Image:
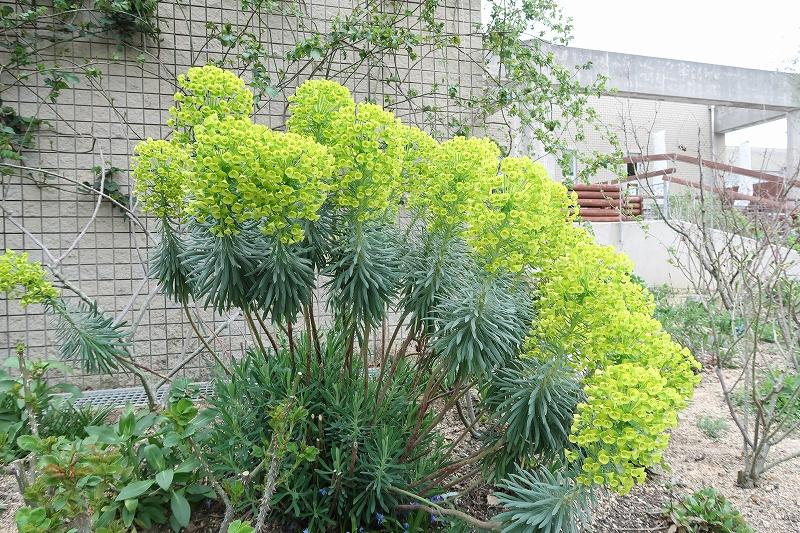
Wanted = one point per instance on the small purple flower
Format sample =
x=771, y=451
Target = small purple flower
x=379, y=518
x=436, y=499
x=406, y=526
x=324, y=492
x=305, y=530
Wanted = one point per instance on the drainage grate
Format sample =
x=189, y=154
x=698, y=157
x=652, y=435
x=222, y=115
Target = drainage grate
x=134, y=396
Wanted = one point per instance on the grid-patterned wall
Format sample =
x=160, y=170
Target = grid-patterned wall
x=687, y=127
x=99, y=121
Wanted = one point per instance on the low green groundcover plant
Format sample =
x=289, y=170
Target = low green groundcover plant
x=705, y=511
x=51, y=404
x=483, y=288
x=712, y=427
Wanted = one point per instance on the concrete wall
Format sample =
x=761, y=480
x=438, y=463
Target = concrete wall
x=656, y=249
x=647, y=245
x=101, y=120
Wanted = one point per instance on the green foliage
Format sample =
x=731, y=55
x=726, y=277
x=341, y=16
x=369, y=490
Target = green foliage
x=16, y=133
x=690, y=324
x=543, y=501
x=534, y=401
x=105, y=182
x=358, y=453
x=783, y=387
x=479, y=271
x=51, y=403
x=128, y=17
x=237, y=526
x=140, y=472
x=787, y=400
x=705, y=511
x=482, y=323
x=364, y=274
x=23, y=24
x=712, y=427
x=89, y=338
x=33, y=520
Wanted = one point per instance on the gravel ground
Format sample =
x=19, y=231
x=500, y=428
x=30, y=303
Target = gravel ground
x=10, y=501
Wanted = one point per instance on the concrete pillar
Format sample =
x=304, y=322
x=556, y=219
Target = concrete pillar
x=744, y=159
x=658, y=146
x=793, y=145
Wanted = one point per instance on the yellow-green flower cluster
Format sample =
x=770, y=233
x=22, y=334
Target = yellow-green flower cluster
x=247, y=172
x=523, y=216
x=161, y=171
x=24, y=279
x=418, y=152
x=206, y=91
x=638, y=378
x=367, y=143
x=462, y=173
x=622, y=426
x=314, y=106
x=591, y=308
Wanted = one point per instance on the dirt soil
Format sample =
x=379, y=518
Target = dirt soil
x=696, y=461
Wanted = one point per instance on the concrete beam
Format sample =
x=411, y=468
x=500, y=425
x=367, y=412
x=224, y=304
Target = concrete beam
x=728, y=119
x=654, y=78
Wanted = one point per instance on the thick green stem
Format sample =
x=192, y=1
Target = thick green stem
x=270, y=338
x=254, y=332
x=203, y=340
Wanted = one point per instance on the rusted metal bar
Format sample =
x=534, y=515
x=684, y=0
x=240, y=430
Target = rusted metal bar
x=730, y=194
x=709, y=164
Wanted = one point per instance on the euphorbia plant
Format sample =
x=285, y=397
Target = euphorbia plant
x=491, y=288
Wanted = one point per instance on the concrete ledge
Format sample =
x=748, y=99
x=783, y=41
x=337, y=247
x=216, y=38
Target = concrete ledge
x=655, y=78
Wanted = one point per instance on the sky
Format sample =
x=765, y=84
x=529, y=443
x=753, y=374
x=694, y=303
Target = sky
x=763, y=35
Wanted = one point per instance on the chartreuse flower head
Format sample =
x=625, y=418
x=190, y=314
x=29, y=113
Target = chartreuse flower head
x=522, y=214
x=24, y=279
x=368, y=143
x=461, y=173
x=419, y=149
x=161, y=171
x=313, y=107
x=622, y=426
x=247, y=172
x=368, y=146
x=206, y=91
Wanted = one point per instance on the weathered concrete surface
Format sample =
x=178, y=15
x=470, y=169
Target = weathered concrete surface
x=655, y=78
x=648, y=246
x=728, y=119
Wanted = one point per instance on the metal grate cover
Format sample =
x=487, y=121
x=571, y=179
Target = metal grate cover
x=134, y=396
